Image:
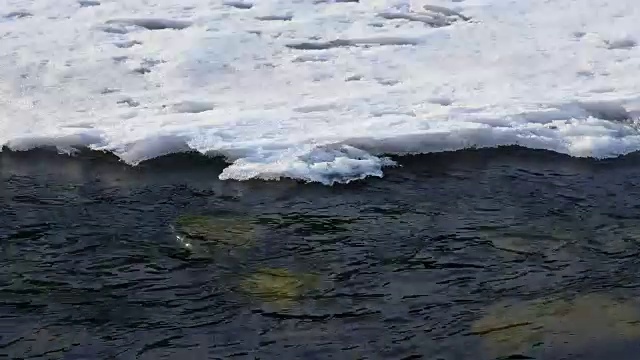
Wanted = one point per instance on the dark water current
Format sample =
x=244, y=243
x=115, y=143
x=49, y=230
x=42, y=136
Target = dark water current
x=488, y=254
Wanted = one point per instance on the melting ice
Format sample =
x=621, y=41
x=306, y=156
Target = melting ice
x=319, y=90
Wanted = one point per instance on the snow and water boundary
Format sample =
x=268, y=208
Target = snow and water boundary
x=319, y=91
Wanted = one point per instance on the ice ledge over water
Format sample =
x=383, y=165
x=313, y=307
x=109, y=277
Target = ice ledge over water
x=319, y=90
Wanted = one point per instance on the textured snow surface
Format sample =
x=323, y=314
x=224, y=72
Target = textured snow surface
x=319, y=89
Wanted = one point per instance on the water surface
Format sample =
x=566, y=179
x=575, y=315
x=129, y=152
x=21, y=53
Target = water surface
x=468, y=255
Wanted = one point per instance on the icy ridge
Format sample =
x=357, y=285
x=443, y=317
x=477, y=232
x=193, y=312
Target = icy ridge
x=319, y=90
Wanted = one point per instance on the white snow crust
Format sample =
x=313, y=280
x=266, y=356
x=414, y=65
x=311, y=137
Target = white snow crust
x=319, y=90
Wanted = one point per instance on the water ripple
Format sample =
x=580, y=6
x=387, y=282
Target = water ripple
x=430, y=262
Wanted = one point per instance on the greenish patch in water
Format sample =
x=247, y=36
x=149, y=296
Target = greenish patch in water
x=520, y=328
x=198, y=233
x=279, y=286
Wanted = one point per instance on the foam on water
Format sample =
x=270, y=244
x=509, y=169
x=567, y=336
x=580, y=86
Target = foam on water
x=319, y=89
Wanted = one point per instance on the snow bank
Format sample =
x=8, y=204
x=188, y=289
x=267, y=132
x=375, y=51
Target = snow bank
x=319, y=89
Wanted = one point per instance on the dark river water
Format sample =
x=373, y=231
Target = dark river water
x=489, y=254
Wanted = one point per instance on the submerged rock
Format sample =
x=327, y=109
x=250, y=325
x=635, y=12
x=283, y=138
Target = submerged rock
x=523, y=328
x=199, y=233
x=278, y=286
x=550, y=242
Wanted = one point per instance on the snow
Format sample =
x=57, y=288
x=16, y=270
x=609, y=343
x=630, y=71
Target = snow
x=319, y=90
